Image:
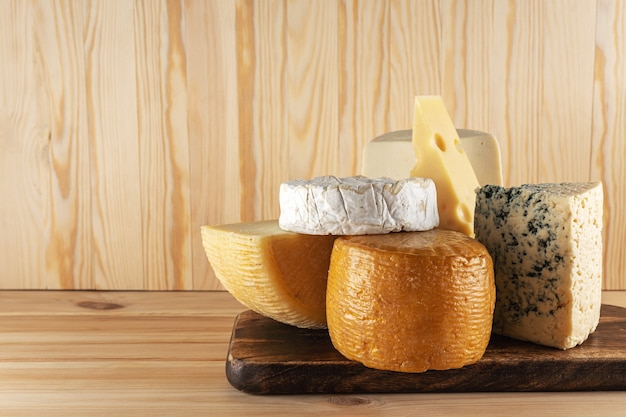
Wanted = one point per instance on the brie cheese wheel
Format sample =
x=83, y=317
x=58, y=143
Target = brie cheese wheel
x=546, y=243
x=357, y=205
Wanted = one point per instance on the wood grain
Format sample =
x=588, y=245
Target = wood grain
x=313, y=82
x=363, y=79
x=267, y=357
x=212, y=91
x=263, y=134
x=68, y=353
x=517, y=64
x=565, y=134
x=65, y=180
x=111, y=105
x=467, y=55
x=24, y=163
x=126, y=125
x=415, y=54
x=163, y=156
x=609, y=129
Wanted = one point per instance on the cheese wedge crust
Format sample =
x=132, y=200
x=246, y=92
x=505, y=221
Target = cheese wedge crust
x=279, y=274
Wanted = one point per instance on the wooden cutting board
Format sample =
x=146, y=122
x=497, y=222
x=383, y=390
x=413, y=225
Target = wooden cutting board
x=267, y=357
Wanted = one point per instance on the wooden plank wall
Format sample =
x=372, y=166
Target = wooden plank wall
x=125, y=125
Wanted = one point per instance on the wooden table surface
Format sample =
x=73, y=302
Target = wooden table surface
x=163, y=354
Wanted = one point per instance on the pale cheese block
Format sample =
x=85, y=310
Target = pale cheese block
x=279, y=274
x=410, y=301
x=392, y=155
x=546, y=243
x=357, y=205
x=439, y=157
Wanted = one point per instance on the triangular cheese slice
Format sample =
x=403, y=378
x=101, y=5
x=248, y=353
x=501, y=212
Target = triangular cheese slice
x=439, y=157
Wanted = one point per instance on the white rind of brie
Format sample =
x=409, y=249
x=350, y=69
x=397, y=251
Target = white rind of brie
x=357, y=205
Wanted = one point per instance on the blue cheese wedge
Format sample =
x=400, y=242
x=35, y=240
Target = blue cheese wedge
x=357, y=205
x=546, y=244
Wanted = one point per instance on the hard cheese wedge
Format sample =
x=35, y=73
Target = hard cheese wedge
x=546, y=242
x=279, y=274
x=392, y=155
x=410, y=301
x=439, y=157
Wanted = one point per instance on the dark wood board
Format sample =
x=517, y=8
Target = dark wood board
x=267, y=357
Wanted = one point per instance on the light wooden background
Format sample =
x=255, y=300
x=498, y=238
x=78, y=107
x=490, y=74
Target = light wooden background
x=125, y=125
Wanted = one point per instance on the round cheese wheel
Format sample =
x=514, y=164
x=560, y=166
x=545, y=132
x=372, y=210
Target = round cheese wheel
x=410, y=301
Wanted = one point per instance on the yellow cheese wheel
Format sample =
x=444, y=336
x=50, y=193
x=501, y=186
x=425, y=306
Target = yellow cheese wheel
x=410, y=301
x=279, y=274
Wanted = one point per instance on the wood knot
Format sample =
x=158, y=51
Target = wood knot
x=99, y=305
x=348, y=401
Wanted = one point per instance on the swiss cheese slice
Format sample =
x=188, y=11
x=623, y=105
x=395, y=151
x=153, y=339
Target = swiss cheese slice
x=392, y=155
x=357, y=205
x=439, y=156
x=410, y=301
x=546, y=242
x=279, y=274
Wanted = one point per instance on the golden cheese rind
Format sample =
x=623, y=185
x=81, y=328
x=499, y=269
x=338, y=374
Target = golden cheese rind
x=279, y=274
x=410, y=302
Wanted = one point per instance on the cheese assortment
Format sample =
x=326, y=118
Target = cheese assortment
x=410, y=302
x=392, y=155
x=406, y=287
x=546, y=242
x=357, y=205
x=279, y=274
x=439, y=157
